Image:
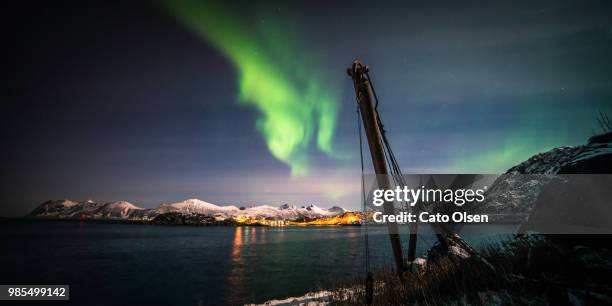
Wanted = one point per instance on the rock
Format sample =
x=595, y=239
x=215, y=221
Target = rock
x=417, y=265
x=601, y=138
x=513, y=195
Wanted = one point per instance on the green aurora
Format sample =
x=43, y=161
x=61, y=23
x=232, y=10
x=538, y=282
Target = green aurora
x=274, y=76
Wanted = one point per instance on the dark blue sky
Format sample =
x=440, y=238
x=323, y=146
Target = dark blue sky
x=123, y=102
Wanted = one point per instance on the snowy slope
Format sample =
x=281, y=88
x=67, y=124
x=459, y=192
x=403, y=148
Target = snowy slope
x=313, y=211
x=119, y=210
x=191, y=206
x=67, y=209
x=516, y=191
x=53, y=208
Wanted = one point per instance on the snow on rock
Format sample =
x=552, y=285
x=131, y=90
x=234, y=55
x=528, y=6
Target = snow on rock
x=267, y=211
x=53, y=208
x=119, y=209
x=559, y=160
x=549, y=162
x=338, y=210
x=315, y=211
x=319, y=298
x=514, y=193
x=459, y=251
x=287, y=206
x=67, y=209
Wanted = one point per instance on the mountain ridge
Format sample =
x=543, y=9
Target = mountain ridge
x=123, y=210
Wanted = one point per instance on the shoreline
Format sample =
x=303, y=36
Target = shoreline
x=143, y=222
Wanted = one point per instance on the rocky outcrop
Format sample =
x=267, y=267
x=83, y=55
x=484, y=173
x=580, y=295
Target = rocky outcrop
x=175, y=218
x=68, y=209
x=514, y=194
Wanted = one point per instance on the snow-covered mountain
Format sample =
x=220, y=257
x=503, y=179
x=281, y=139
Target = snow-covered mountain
x=191, y=206
x=54, y=208
x=121, y=210
x=68, y=209
x=515, y=192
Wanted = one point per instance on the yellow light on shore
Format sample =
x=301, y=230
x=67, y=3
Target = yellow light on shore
x=348, y=218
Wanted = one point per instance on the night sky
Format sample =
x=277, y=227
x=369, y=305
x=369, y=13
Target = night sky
x=249, y=103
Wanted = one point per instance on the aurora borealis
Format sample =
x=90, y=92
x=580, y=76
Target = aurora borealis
x=245, y=102
x=276, y=77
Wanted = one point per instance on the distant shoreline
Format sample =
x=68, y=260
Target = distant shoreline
x=143, y=222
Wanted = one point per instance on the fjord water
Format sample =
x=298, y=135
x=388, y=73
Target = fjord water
x=123, y=264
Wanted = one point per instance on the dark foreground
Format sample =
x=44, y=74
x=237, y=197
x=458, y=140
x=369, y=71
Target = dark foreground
x=526, y=270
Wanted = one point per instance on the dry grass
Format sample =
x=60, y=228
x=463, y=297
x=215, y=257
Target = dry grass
x=528, y=270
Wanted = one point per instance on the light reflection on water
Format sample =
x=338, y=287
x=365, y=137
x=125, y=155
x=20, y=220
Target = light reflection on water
x=271, y=261
x=185, y=265
x=236, y=267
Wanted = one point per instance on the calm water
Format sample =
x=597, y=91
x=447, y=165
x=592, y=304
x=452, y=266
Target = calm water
x=119, y=264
